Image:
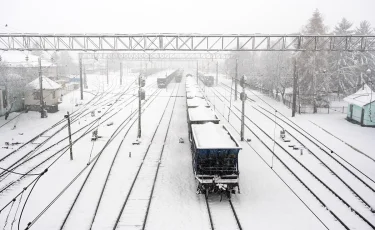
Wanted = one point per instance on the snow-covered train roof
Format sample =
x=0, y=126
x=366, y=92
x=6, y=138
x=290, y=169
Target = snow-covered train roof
x=213, y=136
x=194, y=94
x=165, y=73
x=202, y=114
x=196, y=102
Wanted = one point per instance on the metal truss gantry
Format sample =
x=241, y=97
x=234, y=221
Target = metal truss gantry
x=186, y=42
x=157, y=56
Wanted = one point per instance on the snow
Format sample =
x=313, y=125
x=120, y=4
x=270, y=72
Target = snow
x=202, y=114
x=270, y=198
x=47, y=84
x=196, y=102
x=15, y=57
x=210, y=135
x=362, y=97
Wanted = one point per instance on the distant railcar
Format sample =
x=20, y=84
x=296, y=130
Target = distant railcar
x=206, y=79
x=179, y=75
x=164, y=81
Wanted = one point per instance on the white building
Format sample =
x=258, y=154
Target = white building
x=51, y=95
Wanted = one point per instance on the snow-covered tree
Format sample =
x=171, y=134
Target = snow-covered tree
x=312, y=65
x=365, y=60
x=342, y=64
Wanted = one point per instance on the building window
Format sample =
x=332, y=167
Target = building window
x=36, y=95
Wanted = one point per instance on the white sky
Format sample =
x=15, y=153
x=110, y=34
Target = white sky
x=172, y=16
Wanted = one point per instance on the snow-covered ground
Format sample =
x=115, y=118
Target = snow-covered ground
x=270, y=198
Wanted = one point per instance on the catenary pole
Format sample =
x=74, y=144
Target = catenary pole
x=235, y=81
x=294, y=87
x=42, y=115
x=80, y=77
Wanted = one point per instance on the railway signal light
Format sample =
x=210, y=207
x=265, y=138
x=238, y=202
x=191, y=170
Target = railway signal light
x=142, y=94
x=243, y=96
x=243, y=81
x=27, y=58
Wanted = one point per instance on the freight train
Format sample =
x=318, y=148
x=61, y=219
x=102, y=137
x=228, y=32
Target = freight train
x=165, y=80
x=213, y=147
x=179, y=75
x=206, y=79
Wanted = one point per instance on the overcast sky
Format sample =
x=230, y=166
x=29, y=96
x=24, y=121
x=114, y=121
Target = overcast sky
x=172, y=16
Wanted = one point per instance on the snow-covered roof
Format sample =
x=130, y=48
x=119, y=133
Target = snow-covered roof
x=196, y=102
x=47, y=84
x=17, y=58
x=202, y=114
x=213, y=136
x=362, y=97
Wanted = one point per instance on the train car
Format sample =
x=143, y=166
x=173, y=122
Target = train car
x=197, y=102
x=165, y=80
x=215, y=159
x=179, y=75
x=207, y=80
x=201, y=115
x=162, y=82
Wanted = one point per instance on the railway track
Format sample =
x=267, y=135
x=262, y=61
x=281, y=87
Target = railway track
x=74, y=117
x=127, y=122
x=347, y=169
x=308, y=177
x=86, y=129
x=11, y=164
x=338, y=158
x=135, y=208
x=221, y=213
x=71, y=219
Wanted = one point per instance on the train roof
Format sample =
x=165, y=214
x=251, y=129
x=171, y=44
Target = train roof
x=194, y=94
x=196, y=102
x=165, y=74
x=213, y=136
x=202, y=114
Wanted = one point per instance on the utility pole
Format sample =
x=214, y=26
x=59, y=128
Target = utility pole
x=235, y=81
x=80, y=77
x=42, y=115
x=243, y=99
x=84, y=78
x=217, y=72
x=294, y=88
x=139, y=107
x=67, y=116
x=120, y=73
x=107, y=71
x=197, y=73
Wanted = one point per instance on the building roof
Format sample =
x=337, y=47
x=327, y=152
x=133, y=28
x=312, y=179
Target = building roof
x=47, y=84
x=362, y=97
x=18, y=58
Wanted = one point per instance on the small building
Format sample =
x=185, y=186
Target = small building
x=51, y=95
x=361, y=107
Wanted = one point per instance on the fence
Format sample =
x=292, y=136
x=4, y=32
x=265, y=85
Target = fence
x=302, y=107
